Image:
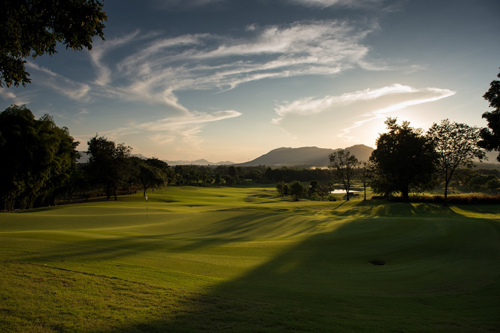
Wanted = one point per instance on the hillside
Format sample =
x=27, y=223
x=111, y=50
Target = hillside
x=198, y=162
x=305, y=156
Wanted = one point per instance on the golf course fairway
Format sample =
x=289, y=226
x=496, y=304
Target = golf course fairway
x=242, y=259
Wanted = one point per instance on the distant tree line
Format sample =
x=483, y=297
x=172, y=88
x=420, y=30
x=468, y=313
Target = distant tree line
x=39, y=166
x=39, y=163
x=408, y=160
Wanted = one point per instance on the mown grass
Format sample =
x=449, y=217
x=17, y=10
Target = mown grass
x=242, y=259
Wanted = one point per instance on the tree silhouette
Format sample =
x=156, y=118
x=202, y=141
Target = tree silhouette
x=456, y=145
x=38, y=158
x=491, y=135
x=108, y=164
x=31, y=28
x=405, y=159
x=345, y=167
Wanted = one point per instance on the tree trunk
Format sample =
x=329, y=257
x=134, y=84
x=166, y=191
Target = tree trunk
x=446, y=182
x=405, y=194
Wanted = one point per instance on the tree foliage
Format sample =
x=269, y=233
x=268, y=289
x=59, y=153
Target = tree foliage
x=491, y=135
x=345, y=167
x=31, y=28
x=151, y=173
x=297, y=189
x=456, y=145
x=38, y=158
x=108, y=164
x=404, y=160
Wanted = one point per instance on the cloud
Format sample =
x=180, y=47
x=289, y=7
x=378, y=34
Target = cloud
x=195, y=118
x=69, y=88
x=422, y=96
x=387, y=99
x=330, y=3
x=183, y=4
x=185, y=128
x=310, y=105
x=7, y=94
x=100, y=50
x=155, y=71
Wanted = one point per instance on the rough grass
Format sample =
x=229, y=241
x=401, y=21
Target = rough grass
x=242, y=259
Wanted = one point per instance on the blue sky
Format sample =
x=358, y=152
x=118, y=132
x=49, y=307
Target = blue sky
x=232, y=79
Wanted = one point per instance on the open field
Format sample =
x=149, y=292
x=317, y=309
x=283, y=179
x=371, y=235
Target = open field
x=244, y=260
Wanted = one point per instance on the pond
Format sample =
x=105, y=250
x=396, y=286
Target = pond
x=341, y=191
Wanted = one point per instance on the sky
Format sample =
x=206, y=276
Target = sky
x=230, y=80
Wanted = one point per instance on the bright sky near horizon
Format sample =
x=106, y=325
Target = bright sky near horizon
x=229, y=80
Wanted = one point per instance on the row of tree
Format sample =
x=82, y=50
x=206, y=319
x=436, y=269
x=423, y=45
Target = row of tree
x=39, y=163
x=407, y=159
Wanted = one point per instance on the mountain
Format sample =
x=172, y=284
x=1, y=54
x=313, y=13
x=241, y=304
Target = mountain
x=305, y=156
x=198, y=162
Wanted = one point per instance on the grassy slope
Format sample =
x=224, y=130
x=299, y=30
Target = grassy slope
x=240, y=259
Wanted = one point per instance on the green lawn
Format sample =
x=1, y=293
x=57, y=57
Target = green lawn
x=243, y=260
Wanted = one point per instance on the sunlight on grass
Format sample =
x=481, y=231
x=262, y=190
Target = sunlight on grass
x=264, y=260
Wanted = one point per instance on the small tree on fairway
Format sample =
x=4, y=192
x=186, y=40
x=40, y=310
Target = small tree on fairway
x=456, y=145
x=151, y=173
x=345, y=167
x=296, y=190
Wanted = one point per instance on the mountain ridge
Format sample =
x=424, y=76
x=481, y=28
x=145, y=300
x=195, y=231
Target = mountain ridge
x=305, y=156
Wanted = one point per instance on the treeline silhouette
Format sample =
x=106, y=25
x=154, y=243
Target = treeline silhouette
x=39, y=163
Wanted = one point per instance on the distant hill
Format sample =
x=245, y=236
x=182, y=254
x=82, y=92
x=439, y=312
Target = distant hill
x=305, y=156
x=198, y=162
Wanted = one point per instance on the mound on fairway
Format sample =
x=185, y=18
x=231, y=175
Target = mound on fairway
x=242, y=259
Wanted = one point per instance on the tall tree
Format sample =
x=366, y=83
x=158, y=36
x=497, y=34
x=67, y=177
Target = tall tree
x=31, y=28
x=151, y=173
x=108, y=164
x=38, y=158
x=405, y=159
x=456, y=145
x=345, y=167
x=491, y=136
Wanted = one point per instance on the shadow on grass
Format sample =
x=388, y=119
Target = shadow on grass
x=385, y=209
x=325, y=282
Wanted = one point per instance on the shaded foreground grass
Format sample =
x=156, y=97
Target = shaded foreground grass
x=241, y=259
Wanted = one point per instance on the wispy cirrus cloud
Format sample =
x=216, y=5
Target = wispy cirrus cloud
x=386, y=100
x=153, y=68
x=184, y=128
x=207, y=61
x=310, y=105
x=8, y=95
x=329, y=3
x=64, y=86
x=195, y=118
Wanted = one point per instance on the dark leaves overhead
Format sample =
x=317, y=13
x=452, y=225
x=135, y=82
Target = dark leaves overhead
x=31, y=28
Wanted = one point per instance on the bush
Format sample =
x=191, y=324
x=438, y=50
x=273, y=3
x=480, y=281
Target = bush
x=469, y=199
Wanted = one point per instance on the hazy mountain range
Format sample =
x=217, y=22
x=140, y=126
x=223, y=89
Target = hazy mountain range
x=305, y=156
x=302, y=157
